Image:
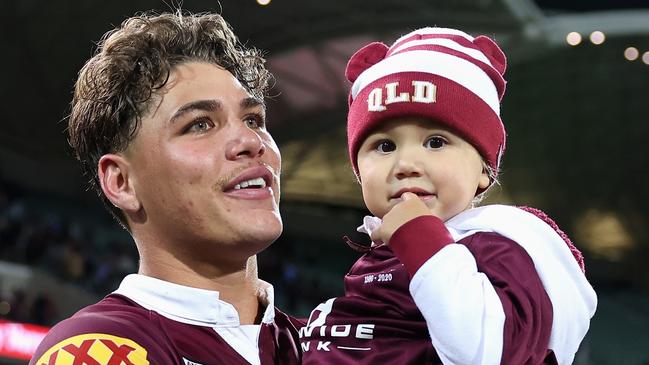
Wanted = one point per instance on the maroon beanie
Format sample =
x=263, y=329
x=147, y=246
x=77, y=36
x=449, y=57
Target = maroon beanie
x=440, y=74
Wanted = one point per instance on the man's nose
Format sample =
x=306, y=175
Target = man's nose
x=244, y=143
x=407, y=164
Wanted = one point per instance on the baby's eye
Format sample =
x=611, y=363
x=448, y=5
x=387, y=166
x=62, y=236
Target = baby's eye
x=385, y=146
x=435, y=142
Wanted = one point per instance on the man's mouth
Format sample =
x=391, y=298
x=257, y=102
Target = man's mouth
x=257, y=178
x=256, y=183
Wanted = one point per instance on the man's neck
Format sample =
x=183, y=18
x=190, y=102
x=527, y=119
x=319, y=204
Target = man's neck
x=237, y=283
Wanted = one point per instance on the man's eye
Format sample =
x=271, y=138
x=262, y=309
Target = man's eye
x=435, y=142
x=385, y=146
x=200, y=126
x=254, y=122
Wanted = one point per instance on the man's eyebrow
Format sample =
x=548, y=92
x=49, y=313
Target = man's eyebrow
x=250, y=103
x=205, y=105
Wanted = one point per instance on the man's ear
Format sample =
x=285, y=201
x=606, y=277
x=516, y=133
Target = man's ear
x=116, y=182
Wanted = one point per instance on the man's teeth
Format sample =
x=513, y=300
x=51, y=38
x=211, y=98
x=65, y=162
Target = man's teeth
x=255, y=183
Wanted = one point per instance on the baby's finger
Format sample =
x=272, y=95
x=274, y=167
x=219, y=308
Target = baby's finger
x=408, y=196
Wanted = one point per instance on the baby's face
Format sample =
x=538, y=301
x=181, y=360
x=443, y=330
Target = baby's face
x=419, y=156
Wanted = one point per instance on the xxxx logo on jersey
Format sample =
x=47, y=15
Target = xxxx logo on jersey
x=95, y=349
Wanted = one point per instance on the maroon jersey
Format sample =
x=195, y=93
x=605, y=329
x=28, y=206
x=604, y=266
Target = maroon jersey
x=479, y=300
x=376, y=322
x=142, y=324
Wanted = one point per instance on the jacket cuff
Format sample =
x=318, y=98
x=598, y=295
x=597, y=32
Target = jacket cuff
x=418, y=240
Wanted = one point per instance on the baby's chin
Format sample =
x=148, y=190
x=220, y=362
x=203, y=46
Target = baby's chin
x=450, y=215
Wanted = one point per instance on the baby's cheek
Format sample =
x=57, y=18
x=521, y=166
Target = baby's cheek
x=432, y=205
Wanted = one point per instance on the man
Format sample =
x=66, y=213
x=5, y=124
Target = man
x=168, y=120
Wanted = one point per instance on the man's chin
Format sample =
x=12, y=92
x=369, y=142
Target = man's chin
x=270, y=235
x=262, y=235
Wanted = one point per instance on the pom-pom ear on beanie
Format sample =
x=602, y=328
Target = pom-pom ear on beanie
x=364, y=58
x=440, y=74
x=495, y=55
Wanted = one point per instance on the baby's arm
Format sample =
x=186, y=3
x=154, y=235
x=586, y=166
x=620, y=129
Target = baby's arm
x=483, y=301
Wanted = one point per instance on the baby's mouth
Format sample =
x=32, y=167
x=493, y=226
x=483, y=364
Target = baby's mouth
x=421, y=193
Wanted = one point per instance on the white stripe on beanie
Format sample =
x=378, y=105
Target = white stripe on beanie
x=444, y=42
x=435, y=30
x=456, y=69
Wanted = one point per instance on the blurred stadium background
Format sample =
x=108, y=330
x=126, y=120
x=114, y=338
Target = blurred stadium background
x=576, y=111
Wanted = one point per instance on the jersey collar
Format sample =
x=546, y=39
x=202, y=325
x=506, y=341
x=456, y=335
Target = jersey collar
x=190, y=305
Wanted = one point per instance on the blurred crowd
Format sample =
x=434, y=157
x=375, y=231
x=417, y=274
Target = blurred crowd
x=59, y=246
x=16, y=306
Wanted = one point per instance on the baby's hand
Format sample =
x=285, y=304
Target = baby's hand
x=410, y=208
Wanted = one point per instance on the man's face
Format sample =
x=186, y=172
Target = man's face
x=418, y=156
x=205, y=168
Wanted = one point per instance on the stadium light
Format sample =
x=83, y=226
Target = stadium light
x=645, y=58
x=631, y=53
x=597, y=37
x=573, y=38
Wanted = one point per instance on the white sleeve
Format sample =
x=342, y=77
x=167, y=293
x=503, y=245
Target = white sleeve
x=459, y=302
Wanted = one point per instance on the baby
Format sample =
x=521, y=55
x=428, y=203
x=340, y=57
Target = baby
x=444, y=281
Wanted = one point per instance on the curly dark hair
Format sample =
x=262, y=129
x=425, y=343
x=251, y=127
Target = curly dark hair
x=115, y=87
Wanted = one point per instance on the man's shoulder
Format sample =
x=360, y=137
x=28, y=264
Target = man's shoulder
x=114, y=313
x=115, y=326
